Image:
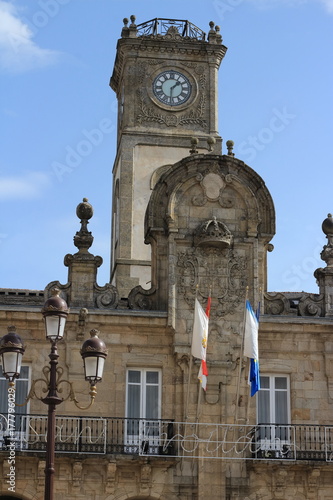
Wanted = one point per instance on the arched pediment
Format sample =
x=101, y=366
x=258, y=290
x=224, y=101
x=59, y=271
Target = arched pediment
x=201, y=186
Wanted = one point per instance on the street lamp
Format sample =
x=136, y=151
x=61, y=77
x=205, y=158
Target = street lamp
x=11, y=352
x=93, y=352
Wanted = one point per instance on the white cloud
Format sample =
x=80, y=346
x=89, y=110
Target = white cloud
x=18, y=51
x=328, y=4
x=26, y=187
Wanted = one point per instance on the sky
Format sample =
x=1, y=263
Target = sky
x=275, y=103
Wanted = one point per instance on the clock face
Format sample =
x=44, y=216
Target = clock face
x=172, y=88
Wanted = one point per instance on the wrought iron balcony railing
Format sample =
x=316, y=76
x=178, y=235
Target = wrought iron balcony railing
x=98, y=435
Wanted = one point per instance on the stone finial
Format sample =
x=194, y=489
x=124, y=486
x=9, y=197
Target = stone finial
x=125, y=30
x=327, y=225
x=211, y=141
x=83, y=238
x=218, y=34
x=211, y=33
x=327, y=252
x=132, y=30
x=214, y=35
x=194, y=143
x=133, y=18
x=84, y=210
x=230, y=147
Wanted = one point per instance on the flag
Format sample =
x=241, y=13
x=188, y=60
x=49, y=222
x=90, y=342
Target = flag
x=200, y=337
x=251, y=346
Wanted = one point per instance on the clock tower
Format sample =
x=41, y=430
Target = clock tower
x=165, y=79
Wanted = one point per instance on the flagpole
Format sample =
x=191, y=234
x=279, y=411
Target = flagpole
x=188, y=386
x=241, y=359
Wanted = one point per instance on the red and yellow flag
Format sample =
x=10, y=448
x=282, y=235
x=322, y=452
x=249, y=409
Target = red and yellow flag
x=200, y=338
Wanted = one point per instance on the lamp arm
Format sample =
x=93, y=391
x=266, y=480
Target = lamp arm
x=92, y=394
x=32, y=393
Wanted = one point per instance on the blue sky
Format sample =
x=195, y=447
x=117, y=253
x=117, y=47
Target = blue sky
x=275, y=103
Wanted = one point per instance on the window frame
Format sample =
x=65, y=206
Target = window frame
x=273, y=436
x=143, y=392
x=142, y=433
x=272, y=405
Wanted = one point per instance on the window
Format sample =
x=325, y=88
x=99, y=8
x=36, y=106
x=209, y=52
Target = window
x=143, y=407
x=21, y=392
x=273, y=411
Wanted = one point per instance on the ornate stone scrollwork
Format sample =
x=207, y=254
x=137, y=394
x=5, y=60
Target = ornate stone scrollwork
x=139, y=298
x=106, y=297
x=276, y=303
x=297, y=304
x=64, y=290
x=311, y=305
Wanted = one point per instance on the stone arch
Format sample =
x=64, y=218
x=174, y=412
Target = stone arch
x=157, y=174
x=178, y=179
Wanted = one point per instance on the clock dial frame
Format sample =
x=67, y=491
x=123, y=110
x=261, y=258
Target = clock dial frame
x=172, y=88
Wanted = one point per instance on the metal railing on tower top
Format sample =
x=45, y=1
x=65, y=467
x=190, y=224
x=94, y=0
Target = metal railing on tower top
x=160, y=26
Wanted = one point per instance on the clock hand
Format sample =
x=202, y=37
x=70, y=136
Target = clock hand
x=175, y=85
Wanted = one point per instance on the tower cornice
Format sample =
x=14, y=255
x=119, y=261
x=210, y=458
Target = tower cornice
x=163, y=45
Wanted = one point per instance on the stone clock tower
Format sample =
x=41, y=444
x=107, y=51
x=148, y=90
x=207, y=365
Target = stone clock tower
x=165, y=78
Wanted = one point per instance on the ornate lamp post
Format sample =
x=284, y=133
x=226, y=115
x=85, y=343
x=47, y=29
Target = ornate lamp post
x=93, y=352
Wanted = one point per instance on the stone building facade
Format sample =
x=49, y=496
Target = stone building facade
x=188, y=222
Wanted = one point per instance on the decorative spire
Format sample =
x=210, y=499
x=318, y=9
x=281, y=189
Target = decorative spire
x=83, y=238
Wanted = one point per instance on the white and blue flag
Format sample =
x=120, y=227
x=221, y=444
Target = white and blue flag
x=251, y=346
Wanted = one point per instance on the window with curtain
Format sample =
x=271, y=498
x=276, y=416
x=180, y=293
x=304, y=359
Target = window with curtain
x=273, y=408
x=143, y=402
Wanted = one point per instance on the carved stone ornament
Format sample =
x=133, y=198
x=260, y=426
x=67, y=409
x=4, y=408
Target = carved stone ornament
x=149, y=114
x=139, y=298
x=106, y=297
x=294, y=304
x=213, y=185
x=217, y=269
x=212, y=233
x=173, y=33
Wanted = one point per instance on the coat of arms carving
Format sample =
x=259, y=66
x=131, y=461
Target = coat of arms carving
x=219, y=271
